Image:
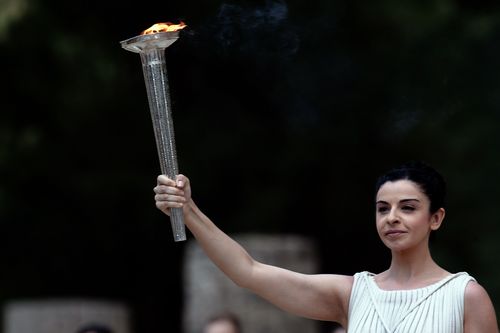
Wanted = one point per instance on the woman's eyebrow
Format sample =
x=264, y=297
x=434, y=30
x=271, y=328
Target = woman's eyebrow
x=410, y=199
x=402, y=201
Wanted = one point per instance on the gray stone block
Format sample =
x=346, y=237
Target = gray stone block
x=208, y=292
x=63, y=315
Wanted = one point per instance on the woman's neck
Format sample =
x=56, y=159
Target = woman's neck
x=411, y=269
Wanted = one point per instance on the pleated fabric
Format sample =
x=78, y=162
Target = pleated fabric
x=437, y=308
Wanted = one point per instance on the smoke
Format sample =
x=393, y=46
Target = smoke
x=271, y=15
x=263, y=30
x=251, y=30
x=405, y=120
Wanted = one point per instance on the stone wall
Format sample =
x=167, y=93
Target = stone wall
x=208, y=292
x=63, y=316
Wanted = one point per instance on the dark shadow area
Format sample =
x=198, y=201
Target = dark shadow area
x=285, y=113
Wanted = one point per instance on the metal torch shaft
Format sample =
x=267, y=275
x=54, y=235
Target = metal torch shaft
x=156, y=79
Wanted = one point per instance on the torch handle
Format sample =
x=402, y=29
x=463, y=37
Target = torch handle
x=177, y=222
x=155, y=77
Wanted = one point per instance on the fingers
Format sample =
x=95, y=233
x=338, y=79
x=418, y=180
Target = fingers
x=164, y=180
x=170, y=198
x=171, y=194
x=180, y=181
x=168, y=189
x=166, y=205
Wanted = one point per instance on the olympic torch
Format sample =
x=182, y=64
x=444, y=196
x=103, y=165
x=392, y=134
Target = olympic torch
x=151, y=45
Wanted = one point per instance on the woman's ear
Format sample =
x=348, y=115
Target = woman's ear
x=437, y=218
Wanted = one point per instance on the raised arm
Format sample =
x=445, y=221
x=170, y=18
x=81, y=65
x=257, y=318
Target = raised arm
x=323, y=297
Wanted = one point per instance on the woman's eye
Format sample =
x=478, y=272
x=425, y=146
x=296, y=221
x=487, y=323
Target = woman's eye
x=408, y=208
x=382, y=210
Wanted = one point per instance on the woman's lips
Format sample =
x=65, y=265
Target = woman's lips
x=394, y=233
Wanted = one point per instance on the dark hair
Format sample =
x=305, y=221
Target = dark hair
x=426, y=177
x=226, y=316
x=94, y=328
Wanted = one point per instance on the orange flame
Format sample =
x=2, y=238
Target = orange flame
x=163, y=27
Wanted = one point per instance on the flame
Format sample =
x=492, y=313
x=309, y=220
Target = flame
x=163, y=27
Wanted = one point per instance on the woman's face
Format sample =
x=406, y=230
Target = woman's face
x=403, y=217
x=220, y=326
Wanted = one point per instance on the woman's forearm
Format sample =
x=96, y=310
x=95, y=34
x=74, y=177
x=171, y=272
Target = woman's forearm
x=226, y=253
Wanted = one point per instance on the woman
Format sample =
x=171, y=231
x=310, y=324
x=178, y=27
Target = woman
x=223, y=323
x=413, y=295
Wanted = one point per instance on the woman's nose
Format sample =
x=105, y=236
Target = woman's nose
x=392, y=217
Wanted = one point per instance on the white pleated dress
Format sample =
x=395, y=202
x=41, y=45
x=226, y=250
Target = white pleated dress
x=437, y=308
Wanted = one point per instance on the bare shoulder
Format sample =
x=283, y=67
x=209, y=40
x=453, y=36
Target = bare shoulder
x=336, y=289
x=337, y=283
x=479, y=313
x=316, y=296
x=474, y=292
x=339, y=279
x=476, y=295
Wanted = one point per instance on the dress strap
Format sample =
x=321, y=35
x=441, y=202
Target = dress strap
x=371, y=292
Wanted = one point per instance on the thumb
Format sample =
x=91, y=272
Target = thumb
x=181, y=181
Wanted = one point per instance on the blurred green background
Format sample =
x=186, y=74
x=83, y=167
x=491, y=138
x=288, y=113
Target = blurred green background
x=285, y=113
